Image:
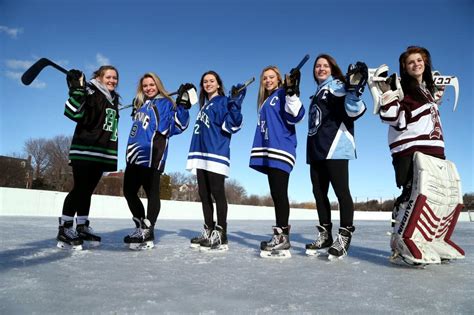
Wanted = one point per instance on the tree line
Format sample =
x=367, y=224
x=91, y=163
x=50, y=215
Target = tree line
x=47, y=168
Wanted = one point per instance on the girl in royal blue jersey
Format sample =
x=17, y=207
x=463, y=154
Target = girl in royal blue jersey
x=209, y=155
x=156, y=118
x=274, y=148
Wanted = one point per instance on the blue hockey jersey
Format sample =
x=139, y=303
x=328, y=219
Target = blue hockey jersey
x=153, y=124
x=217, y=120
x=331, y=122
x=274, y=144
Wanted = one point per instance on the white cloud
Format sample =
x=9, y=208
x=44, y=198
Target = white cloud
x=16, y=76
x=102, y=60
x=12, y=32
x=18, y=64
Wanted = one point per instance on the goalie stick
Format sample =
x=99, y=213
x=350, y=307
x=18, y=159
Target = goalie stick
x=443, y=80
x=32, y=72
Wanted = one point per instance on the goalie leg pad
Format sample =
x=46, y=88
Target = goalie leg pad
x=425, y=223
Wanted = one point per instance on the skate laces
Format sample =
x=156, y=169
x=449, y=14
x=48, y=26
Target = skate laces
x=71, y=233
x=275, y=240
x=341, y=243
x=215, y=237
x=135, y=233
x=206, y=234
x=321, y=239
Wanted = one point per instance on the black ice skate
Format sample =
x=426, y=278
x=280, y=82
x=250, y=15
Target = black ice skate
x=205, y=235
x=217, y=242
x=135, y=233
x=86, y=233
x=339, y=248
x=279, y=246
x=67, y=237
x=143, y=238
x=324, y=240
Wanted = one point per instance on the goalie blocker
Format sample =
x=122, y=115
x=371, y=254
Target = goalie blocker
x=425, y=223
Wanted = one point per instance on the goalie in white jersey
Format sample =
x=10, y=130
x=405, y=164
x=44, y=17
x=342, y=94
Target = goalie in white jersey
x=426, y=212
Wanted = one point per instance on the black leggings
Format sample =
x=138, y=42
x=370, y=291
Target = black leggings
x=336, y=173
x=212, y=185
x=78, y=201
x=278, y=182
x=135, y=177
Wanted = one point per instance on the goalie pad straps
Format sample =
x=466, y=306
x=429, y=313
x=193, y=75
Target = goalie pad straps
x=425, y=223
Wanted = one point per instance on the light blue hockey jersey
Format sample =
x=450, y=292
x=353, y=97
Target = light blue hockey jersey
x=274, y=144
x=153, y=124
x=331, y=122
x=217, y=120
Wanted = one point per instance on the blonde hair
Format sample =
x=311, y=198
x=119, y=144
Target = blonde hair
x=140, y=97
x=262, y=92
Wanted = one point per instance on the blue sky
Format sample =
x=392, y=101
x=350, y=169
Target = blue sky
x=179, y=40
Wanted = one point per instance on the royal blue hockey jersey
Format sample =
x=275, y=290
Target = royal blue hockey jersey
x=217, y=120
x=274, y=144
x=331, y=122
x=153, y=124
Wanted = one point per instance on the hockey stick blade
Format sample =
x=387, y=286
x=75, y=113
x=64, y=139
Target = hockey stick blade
x=32, y=72
x=443, y=80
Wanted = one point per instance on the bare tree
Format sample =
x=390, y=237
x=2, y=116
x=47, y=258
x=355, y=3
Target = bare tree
x=235, y=192
x=40, y=160
x=59, y=174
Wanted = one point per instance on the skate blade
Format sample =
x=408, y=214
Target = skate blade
x=141, y=246
x=400, y=261
x=195, y=246
x=216, y=249
x=275, y=254
x=63, y=245
x=336, y=258
x=315, y=252
x=92, y=244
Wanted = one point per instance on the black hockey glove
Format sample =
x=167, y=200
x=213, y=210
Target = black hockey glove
x=356, y=77
x=237, y=94
x=75, y=79
x=292, y=83
x=183, y=96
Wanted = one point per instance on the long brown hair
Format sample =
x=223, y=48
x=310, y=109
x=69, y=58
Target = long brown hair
x=262, y=92
x=203, y=94
x=336, y=72
x=409, y=84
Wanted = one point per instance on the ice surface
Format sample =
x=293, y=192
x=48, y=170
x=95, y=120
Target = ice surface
x=36, y=277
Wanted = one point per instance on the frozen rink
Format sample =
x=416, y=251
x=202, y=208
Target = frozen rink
x=36, y=277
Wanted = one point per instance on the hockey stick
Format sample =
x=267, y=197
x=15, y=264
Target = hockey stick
x=37, y=67
x=235, y=91
x=130, y=105
x=301, y=64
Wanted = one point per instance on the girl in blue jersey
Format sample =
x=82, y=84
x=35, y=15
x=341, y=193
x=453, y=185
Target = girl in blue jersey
x=209, y=156
x=274, y=148
x=330, y=146
x=156, y=118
